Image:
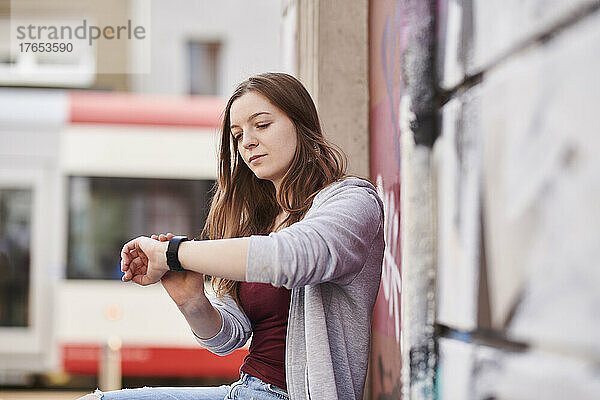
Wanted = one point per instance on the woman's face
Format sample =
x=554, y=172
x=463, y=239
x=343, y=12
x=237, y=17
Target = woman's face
x=261, y=129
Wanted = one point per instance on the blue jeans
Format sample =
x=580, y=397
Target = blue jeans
x=248, y=387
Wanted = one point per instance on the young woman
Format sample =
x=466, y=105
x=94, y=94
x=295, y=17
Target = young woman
x=294, y=247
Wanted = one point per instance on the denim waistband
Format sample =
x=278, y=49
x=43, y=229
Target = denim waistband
x=251, y=380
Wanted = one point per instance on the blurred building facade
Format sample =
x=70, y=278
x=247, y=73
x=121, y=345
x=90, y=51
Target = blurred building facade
x=195, y=47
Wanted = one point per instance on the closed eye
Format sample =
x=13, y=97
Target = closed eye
x=259, y=126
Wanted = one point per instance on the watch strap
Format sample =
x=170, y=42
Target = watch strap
x=173, y=252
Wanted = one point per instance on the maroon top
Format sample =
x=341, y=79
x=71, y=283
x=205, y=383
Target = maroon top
x=267, y=308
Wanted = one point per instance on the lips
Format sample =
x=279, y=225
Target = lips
x=255, y=157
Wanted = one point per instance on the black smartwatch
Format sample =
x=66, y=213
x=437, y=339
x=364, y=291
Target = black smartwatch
x=172, y=250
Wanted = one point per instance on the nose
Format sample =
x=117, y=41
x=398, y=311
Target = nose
x=248, y=140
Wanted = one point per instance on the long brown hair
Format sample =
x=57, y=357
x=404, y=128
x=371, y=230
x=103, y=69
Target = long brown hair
x=244, y=205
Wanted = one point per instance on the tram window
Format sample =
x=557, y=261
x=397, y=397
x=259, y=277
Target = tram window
x=15, y=239
x=106, y=212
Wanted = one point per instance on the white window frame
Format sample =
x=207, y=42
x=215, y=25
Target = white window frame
x=30, y=340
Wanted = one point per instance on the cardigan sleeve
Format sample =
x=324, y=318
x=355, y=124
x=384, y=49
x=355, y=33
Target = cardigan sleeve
x=235, y=330
x=331, y=243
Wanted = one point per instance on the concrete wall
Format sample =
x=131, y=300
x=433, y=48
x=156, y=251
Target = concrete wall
x=332, y=63
x=518, y=199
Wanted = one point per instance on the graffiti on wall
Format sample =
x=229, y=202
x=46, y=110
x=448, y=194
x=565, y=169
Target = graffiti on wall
x=385, y=82
x=391, y=282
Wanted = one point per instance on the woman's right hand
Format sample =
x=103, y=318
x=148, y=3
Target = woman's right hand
x=182, y=286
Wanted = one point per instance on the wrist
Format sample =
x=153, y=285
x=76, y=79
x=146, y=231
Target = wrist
x=161, y=255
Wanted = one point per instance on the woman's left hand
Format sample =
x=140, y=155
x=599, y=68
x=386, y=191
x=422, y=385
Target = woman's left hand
x=144, y=260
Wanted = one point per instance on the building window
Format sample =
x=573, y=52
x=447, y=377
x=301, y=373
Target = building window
x=105, y=213
x=204, y=67
x=15, y=261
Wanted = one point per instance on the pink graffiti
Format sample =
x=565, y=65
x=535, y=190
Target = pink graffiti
x=391, y=280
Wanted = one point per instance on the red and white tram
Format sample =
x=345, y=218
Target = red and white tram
x=81, y=173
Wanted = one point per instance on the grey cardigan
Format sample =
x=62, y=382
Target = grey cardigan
x=331, y=260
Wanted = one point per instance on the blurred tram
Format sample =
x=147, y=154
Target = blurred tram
x=81, y=173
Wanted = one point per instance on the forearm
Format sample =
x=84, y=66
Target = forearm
x=204, y=319
x=223, y=258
